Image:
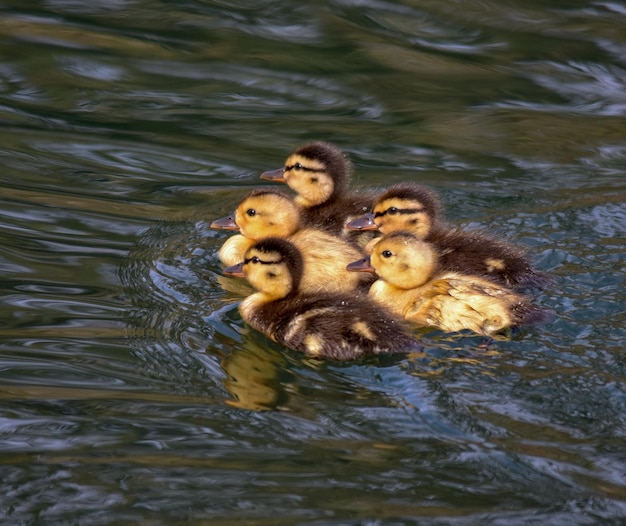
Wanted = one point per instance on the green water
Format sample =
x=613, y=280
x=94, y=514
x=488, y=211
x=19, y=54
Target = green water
x=130, y=390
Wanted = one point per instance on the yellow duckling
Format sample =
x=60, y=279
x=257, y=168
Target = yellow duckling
x=267, y=212
x=412, y=285
x=320, y=175
x=324, y=325
x=416, y=209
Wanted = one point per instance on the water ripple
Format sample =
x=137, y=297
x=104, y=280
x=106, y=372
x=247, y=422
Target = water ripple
x=588, y=87
x=132, y=392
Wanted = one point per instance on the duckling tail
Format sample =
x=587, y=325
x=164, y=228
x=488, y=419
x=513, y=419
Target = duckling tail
x=527, y=314
x=536, y=280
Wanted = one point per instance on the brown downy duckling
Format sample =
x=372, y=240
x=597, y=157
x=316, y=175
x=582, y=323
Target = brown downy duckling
x=324, y=325
x=320, y=175
x=412, y=284
x=416, y=209
x=268, y=212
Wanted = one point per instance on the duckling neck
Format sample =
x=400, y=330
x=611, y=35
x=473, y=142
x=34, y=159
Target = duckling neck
x=421, y=229
x=325, y=193
x=303, y=202
x=253, y=304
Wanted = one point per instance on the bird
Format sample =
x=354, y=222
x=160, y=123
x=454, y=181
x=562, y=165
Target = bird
x=336, y=326
x=416, y=208
x=267, y=212
x=319, y=173
x=412, y=284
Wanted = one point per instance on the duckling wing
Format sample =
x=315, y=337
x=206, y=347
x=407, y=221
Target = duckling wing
x=453, y=304
x=462, y=289
x=497, y=260
x=457, y=302
x=342, y=328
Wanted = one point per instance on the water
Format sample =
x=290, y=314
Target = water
x=131, y=392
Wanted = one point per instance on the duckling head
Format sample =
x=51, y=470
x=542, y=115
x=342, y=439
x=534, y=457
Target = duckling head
x=272, y=266
x=403, y=260
x=265, y=213
x=407, y=206
x=316, y=172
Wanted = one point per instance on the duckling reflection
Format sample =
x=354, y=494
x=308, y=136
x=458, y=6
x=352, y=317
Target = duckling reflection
x=264, y=213
x=253, y=378
x=415, y=208
x=412, y=284
x=324, y=325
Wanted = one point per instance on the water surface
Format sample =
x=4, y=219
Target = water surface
x=131, y=391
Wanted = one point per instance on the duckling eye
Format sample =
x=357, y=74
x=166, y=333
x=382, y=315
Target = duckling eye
x=297, y=166
x=392, y=210
x=386, y=253
x=251, y=212
x=255, y=259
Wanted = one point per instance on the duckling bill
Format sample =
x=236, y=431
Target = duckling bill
x=324, y=325
x=225, y=223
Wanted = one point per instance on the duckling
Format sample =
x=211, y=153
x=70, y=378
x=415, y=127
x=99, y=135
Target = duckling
x=412, y=284
x=320, y=175
x=323, y=325
x=267, y=212
x=416, y=208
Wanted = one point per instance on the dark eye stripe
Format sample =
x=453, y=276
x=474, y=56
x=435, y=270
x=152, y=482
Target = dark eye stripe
x=301, y=167
x=399, y=211
x=257, y=259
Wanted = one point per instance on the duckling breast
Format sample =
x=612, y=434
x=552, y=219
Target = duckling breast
x=234, y=249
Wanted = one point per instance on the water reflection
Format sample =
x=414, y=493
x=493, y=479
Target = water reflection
x=253, y=378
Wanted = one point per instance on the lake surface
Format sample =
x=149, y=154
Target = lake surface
x=131, y=391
